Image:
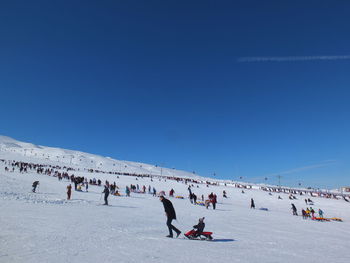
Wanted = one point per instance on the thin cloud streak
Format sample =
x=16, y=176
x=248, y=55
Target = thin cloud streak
x=297, y=58
x=306, y=168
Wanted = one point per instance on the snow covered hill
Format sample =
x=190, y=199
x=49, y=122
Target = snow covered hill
x=27, y=151
x=46, y=227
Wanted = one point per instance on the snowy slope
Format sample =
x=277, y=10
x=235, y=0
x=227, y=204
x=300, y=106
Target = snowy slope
x=17, y=150
x=45, y=227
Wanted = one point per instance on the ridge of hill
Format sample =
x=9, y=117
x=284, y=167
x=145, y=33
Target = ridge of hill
x=24, y=151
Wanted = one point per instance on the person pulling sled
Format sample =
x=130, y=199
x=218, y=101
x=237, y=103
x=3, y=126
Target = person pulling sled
x=170, y=214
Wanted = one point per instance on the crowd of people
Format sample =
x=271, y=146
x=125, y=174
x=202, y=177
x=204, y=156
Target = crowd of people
x=82, y=183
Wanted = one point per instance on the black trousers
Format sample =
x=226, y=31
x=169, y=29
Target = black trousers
x=106, y=199
x=171, y=227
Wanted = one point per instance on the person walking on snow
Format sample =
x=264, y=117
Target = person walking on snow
x=252, y=204
x=171, y=215
x=106, y=192
x=69, y=191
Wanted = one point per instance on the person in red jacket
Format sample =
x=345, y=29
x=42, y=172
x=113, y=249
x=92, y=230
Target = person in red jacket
x=214, y=201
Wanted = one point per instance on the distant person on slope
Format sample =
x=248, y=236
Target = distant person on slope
x=294, y=210
x=320, y=213
x=106, y=192
x=312, y=213
x=35, y=184
x=171, y=215
x=252, y=204
x=194, y=199
x=69, y=191
x=86, y=186
x=214, y=201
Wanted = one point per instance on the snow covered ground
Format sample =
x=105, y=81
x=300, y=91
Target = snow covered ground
x=24, y=151
x=45, y=227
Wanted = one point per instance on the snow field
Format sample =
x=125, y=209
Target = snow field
x=45, y=227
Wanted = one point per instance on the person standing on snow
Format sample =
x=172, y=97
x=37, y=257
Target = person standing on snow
x=127, y=191
x=295, y=213
x=69, y=191
x=171, y=215
x=214, y=201
x=194, y=199
x=252, y=204
x=320, y=213
x=106, y=192
x=312, y=213
x=86, y=186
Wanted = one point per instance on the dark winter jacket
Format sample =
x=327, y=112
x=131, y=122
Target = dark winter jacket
x=169, y=209
x=199, y=227
x=106, y=191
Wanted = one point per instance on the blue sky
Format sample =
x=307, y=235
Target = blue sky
x=236, y=88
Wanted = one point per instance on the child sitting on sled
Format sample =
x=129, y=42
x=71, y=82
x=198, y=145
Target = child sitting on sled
x=197, y=232
x=199, y=227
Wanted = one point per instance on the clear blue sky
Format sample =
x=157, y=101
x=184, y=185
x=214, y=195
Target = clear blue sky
x=164, y=82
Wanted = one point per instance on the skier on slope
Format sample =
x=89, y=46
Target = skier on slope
x=35, y=184
x=106, y=192
x=171, y=215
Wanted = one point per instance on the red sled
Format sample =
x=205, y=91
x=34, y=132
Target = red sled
x=193, y=234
